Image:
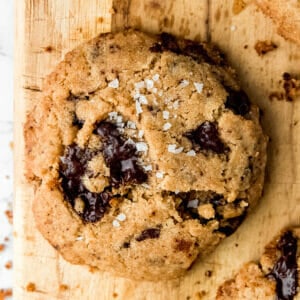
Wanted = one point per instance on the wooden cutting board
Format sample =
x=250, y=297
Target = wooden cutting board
x=46, y=30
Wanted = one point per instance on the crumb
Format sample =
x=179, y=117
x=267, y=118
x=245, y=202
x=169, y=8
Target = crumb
x=199, y=295
x=6, y=239
x=115, y=295
x=197, y=282
x=236, y=244
x=100, y=20
x=2, y=247
x=263, y=47
x=295, y=122
x=48, y=49
x=112, y=10
x=238, y=6
x=63, y=287
x=276, y=96
x=208, y=273
x=30, y=287
x=245, y=46
x=8, y=265
x=5, y=293
x=291, y=86
x=188, y=297
x=9, y=215
x=11, y=145
x=92, y=269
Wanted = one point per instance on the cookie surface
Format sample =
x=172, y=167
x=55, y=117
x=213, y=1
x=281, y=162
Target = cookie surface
x=145, y=154
x=285, y=15
x=276, y=277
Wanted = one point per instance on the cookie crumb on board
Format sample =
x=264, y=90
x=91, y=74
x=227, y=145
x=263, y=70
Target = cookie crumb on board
x=2, y=247
x=263, y=47
x=8, y=264
x=30, y=287
x=63, y=287
x=291, y=88
x=238, y=6
x=115, y=295
x=9, y=215
x=208, y=273
x=200, y=295
x=5, y=293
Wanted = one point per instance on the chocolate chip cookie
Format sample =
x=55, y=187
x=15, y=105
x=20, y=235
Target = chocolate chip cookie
x=145, y=154
x=275, y=277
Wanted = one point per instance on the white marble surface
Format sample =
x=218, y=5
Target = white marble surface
x=6, y=136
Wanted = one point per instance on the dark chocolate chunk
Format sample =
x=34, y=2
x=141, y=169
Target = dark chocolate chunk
x=237, y=101
x=72, y=168
x=126, y=245
x=229, y=226
x=150, y=233
x=285, y=269
x=77, y=122
x=156, y=47
x=197, y=52
x=207, y=137
x=120, y=156
x=167, y=43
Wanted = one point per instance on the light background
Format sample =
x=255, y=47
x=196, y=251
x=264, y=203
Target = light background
x=6, y=136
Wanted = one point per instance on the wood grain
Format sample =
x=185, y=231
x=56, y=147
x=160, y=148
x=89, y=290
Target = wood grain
x=46, y=30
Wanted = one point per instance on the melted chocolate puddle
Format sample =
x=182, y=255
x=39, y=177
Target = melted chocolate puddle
x=119, y=155
x=285, y=269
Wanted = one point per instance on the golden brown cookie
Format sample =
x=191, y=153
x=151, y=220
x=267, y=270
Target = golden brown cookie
x=145, y=153
x=275, y=277
x=285, y=15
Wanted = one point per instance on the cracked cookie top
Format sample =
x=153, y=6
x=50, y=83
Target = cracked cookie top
x=145, y=153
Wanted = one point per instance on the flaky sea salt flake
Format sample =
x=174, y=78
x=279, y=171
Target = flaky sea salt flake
x=116, y=223
x=140, y=134
x=131, y=125
x=184, y=83
x=113, y=115
x=155, y=77
x=121, y=217
x=142, y=99
x=193, y=203
x=119, y=119
x=139, y=85
x=149, y=84
x=172, y=148
x=141, y=147
x=166, y=114
x=159, y=174
x=199, y=87
x=147, y=168
x=176, y=104
x=167, y=126
x=114, y=84
x=138, y=107
x=191, y=153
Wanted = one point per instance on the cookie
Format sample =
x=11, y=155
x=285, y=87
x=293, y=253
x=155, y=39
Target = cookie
x=145, y=154
x=285, y=14
x=275, y=277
